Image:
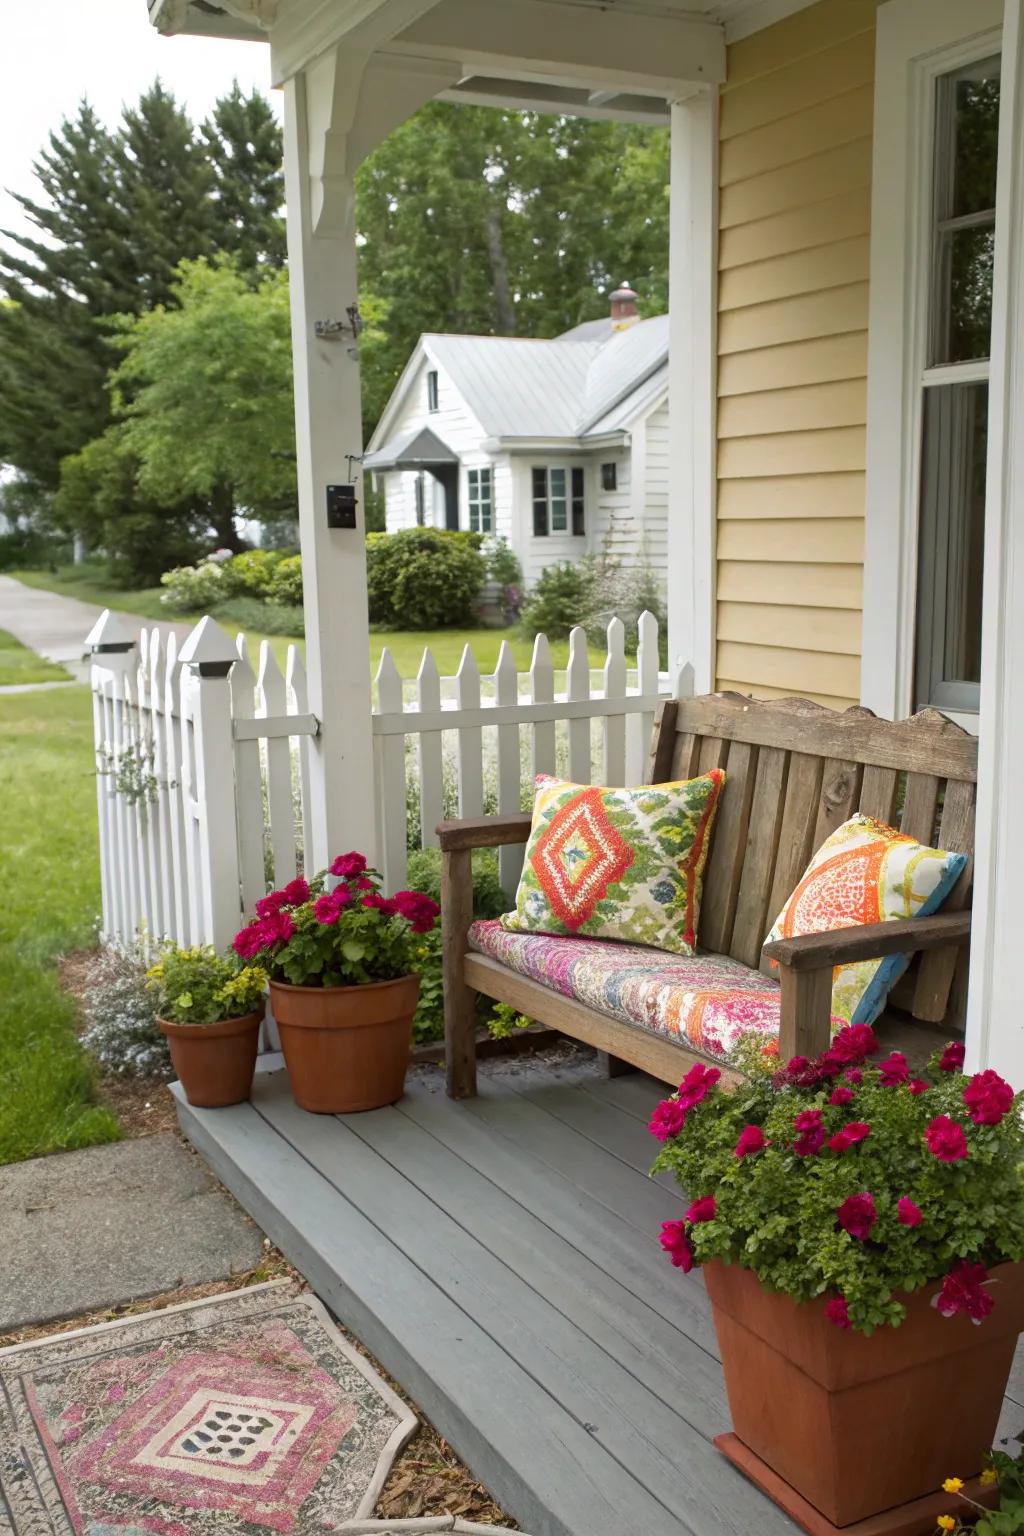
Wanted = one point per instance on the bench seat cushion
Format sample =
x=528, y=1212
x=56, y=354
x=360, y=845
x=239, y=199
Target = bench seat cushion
x=706, y=1001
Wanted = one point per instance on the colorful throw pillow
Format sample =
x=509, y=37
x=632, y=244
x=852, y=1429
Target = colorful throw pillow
x=866, y=872
x=617, y=863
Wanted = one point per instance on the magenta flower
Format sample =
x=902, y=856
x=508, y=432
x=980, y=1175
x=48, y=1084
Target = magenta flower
x=963, y=1290
x=268, y=905
x=248, y=941
x=952, y=1058
x=987, y=1097
x=668, y=1119
x=697, y=1084
x=854, y=1076
x=677, y=1245
x=751, y=1140
x=854, y=1044
x=277, y=928
x=946, y=1139
x=908, y=1214
x=857, y=1215
x=419, y=911
x=382, y=903
x=326, y=910
x=703, y=1209
x=296, y=892
x=838, y=1312
x=347, y=865
x=894, y=1070
x=850, y=1134
x=841, y=1096
x=810, y=1133
x=918, y=1085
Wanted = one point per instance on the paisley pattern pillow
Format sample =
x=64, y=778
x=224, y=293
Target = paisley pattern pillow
x=866, y=872
x=617, y=863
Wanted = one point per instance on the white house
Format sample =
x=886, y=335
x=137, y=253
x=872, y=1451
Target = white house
x=560, y=446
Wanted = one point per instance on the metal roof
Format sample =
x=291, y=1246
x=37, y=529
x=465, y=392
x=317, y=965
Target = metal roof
x=558, y=388
x=415, y=449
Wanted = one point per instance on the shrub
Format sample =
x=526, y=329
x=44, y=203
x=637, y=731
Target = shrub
x=194, y=588
x=262, y=618
x=503, y=564
x=198, y=986
x=624, y=592
x=423, y=578
x=489, y=900
x=558, y=601
x=285, y=586
x=121, y=1031
x=844, y=1180
x=251, y=573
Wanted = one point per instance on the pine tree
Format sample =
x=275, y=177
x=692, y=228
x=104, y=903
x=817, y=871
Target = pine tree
x=242, y=141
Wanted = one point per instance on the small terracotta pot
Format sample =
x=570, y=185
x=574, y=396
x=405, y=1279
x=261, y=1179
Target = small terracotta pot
x=857, y=1425
x=215, y=1062
x=346, y=1048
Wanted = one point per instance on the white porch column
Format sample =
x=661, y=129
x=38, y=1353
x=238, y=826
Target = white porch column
x=336, y=111
x=693, y=379
x=995, y=1026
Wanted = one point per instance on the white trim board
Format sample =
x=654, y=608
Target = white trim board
x=916, y=41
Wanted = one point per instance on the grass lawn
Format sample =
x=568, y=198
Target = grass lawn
x=49, y=855
x=89, y=585
x=20, y=665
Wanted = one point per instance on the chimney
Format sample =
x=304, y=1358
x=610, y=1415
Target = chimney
x=624, y=310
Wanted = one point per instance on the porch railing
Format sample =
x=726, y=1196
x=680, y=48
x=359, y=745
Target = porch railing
x=203, y=779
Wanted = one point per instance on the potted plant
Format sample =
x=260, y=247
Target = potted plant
x=210, y=1010
x=342, y=983
x=861, y=1227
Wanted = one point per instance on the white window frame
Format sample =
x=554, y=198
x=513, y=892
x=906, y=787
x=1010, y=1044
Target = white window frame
x=568, y=469
x=917, y=41
x=479, y=499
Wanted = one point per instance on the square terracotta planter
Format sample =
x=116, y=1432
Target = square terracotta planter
x=859, y=1425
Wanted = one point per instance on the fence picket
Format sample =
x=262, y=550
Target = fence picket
x=128, y=770
x=506, y=691
x=249, y=779
x=614, y=726
x=191, y=847
x=181, y=930
x=542, y=691
x=273, y=700
x=470, y=750
x=295, y=676
x=430, y=757
x=160, y=836
x=577, y=687
x=390, y=752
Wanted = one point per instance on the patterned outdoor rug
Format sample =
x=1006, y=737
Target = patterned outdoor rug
x=247, y=1413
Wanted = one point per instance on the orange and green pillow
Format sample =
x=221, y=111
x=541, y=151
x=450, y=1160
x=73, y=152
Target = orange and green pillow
x=866, y=872
x=618, y=863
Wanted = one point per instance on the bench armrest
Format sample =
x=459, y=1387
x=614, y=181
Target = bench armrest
x=870, y=941
x=484, y=831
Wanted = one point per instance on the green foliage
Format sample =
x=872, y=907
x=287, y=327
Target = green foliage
x=251, y=573
x=20, y=665
x=256, y=617
x=122, y=1033
x=557, y=601
x=503, y=564
x=286, y=582
x=776, y=1210
x=195, y=588
x=489, y=900
x=198, y=986
x=505, y=1021
x=423, y=578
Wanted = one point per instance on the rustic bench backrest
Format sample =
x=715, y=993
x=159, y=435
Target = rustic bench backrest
x=794, y=772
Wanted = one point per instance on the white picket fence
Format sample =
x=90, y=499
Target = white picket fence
x=203, y=778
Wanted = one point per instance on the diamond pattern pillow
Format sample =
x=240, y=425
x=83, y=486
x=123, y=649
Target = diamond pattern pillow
x=867, y=872
x=617, y=863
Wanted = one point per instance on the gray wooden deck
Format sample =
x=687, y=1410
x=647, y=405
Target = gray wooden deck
x=500, y=1258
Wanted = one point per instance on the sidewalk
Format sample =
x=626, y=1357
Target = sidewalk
x=55, y=626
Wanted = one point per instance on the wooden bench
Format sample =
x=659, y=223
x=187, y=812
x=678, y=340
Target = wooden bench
x=794, y=772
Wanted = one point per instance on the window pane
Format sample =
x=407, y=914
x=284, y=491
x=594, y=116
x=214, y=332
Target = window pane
x=540, y=483
x=951, y=544
x=557, y=482
x=963, y=281
x=558, y=516
x=540, y=519
x=975, y=109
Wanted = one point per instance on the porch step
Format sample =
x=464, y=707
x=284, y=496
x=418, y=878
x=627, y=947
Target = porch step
x=502, y=1264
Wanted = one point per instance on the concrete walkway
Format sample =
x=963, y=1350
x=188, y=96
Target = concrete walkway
x=55, y=626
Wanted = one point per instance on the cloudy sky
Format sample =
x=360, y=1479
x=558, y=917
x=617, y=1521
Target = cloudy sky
x=57, y=51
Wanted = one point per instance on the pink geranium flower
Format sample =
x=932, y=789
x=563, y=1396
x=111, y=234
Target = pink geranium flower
x=810, y=1133
x=668, y=1119
x=857, y=1215
x=697, y=1084
x=918, y=1085
x=268, y=905
x=703, y=1209
x=347, y=865
x=946, y=1139
x=854, y=1044
x=963, y=1290
x=952, y=1058
x=838, y=1312
x=419, y=911
x=854, y=1076
x=752, y=1139
x=841, y=1096
x=987, y=1097
x=296, y=892
x=277, y=928
x=908, y=1214
x=893, y=1070
x=677, y=1245
x=382, y=903
x=850, y=1134
x=248, y=941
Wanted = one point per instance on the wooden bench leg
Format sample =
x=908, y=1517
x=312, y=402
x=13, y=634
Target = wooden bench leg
x=614, y=1066
x=459, y=1000
x=805, y=1025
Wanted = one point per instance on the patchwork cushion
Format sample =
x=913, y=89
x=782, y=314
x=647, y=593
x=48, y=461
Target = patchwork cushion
x=867, y=872
x=705, y=1001
x=617, y=863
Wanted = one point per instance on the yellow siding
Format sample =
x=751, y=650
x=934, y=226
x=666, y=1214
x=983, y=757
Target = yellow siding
x=795, y=198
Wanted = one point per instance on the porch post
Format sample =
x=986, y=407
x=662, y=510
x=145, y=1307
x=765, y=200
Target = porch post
x=693, y=379
x=995, y=1025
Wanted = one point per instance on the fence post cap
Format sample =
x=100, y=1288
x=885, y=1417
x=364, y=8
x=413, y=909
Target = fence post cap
x=109, y=633
x=208, y=650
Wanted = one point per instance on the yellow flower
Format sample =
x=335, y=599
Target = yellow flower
x=946, y=1523
x=988, y=1477
x=952, y=1485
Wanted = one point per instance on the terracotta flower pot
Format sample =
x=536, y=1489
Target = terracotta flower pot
x=346, y=1048
x=215, y=1062
x=858, y=1425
